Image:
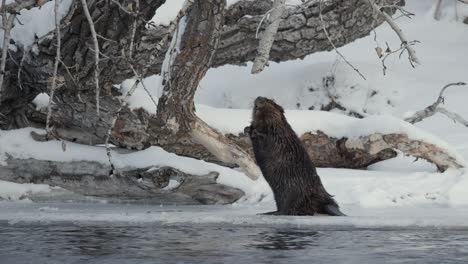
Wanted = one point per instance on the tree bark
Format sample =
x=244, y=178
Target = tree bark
x=74, y=115
x=92, y=179
x=299, y=34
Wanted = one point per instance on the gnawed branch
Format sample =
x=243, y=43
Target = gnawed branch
x=223, y=148
x=435, y=108
x=268, y=36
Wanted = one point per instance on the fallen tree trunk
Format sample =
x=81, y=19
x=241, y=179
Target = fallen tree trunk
x=74, y=115
x=92, y=179
x=299, y=34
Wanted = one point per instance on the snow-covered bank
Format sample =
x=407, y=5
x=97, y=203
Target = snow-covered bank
x=375, y=188
x=297, y=85
x=10, y=191
x=19, y=144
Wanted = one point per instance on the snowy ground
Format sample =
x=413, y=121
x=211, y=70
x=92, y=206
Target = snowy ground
x=397, y=192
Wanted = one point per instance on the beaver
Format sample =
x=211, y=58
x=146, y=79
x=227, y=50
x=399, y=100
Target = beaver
x=285, y=164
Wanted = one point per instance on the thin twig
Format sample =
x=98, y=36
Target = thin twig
x=333, y=45
x=96, y=51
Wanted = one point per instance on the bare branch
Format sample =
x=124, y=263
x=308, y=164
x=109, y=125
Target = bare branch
x=333, y=45
x=96, y=51
x=268, y=37
x=223, y=148
x=454, y=116
x=435, y=154
x=434, y=108
x=436, y=6
x=404, y=41
x=7, y=25
x=134, y=28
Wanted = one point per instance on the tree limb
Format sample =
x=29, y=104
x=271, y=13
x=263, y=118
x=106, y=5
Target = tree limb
x=92, y=179
x=268, y=37
x=435, y=108
x=185, y=65
x=7, y=25
x=404, y=41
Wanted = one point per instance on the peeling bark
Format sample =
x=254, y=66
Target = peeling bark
x=376, y=143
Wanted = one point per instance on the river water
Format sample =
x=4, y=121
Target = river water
x=60, y=234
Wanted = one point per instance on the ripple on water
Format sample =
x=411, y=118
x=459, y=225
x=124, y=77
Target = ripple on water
x=98, y=243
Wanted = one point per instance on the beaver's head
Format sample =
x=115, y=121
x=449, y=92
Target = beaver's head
x=267, y=114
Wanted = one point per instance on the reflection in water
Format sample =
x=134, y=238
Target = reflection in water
x=286, y=240
x=192, y=243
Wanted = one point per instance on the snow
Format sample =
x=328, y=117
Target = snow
x=350, y=187
x=19, y=144
x=358, y=217
x=398, y=192
x=173, y=184
x=36, y=22
x=167, y=12
x=41, y=101
x=19, y=192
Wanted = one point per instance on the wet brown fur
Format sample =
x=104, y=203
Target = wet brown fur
x=285, y=163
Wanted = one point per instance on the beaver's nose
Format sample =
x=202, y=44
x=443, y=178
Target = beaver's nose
x=260, y=100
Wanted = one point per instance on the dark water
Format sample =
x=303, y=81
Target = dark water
x=158, y=243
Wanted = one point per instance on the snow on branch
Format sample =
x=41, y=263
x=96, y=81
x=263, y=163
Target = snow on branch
x=268, y=37
x=435, y=108
x=406, y=45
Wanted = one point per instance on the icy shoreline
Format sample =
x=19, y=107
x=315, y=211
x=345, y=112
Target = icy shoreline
x=96, y=213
